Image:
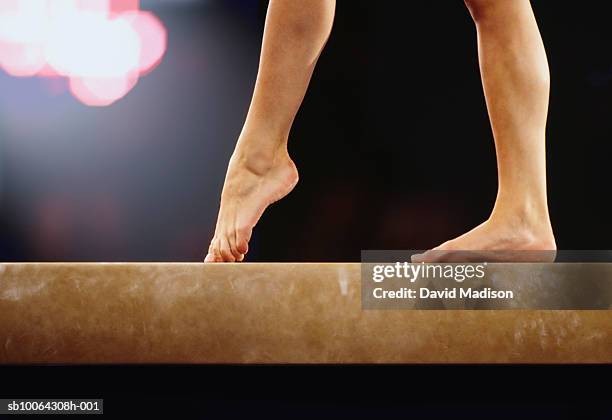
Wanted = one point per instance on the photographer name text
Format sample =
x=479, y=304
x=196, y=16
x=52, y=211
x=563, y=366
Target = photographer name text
x=411, y=273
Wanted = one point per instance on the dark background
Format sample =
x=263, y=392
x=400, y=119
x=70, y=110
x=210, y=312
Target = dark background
x=392, y=142
x=394, y=150
x=423, y=392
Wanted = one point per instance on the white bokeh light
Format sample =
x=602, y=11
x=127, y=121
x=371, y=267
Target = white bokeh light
x=100, y=46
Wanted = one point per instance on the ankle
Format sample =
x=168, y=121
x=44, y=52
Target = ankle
x=525, y=220
x=259, y=160
x=524, y=235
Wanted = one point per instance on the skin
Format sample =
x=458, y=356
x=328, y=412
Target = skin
x=516, y=83
x=260, y=171
x=515, y=77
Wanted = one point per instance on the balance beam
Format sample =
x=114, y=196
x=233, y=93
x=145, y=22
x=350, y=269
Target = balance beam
x=262, y=313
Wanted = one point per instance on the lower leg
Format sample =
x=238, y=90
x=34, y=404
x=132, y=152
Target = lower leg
x=260, y=171
x=515, y=78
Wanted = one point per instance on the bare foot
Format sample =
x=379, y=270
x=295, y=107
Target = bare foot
x=252, y=183
x=496, y=240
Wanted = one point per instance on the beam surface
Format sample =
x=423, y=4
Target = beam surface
x=262, y=313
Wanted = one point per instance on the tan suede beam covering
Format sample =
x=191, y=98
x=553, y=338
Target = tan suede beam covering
x=262, y=313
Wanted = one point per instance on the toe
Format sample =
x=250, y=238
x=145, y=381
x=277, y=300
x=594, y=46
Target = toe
x=225, y=250
x=429, y=256
x=243, y=235
x=242, y=247
x=216, y=250
x=209, y=254
x=231, y=238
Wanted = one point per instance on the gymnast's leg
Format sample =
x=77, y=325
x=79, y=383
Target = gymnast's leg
x=515, y=78
x=260, y=170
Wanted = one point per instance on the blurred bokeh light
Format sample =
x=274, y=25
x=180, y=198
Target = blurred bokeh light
x=101, y=46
